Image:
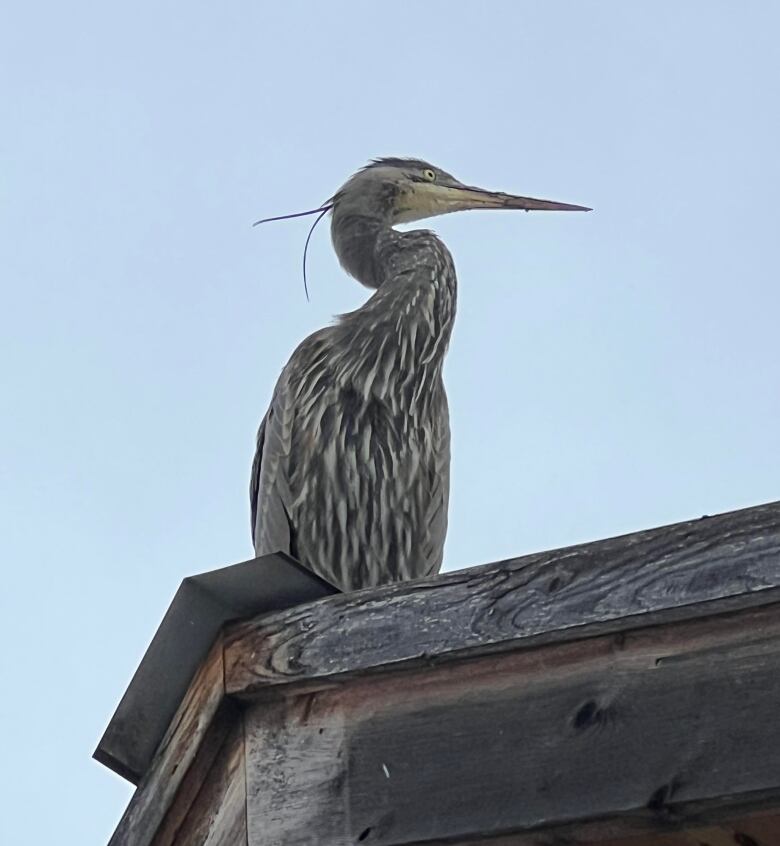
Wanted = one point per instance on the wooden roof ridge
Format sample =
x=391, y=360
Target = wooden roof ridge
x=601, y=691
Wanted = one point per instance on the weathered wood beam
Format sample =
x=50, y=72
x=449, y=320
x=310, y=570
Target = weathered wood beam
x=583, y=695
x=192, y=728
x=753, y=830
x=653, y=730
x=690, y=569
x=214, y=813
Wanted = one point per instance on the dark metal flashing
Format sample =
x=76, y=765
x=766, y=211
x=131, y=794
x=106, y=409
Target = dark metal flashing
x=201, y=606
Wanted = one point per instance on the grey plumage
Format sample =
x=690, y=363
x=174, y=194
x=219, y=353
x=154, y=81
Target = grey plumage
x=351, y=471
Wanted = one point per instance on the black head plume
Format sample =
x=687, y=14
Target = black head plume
x=320, y=212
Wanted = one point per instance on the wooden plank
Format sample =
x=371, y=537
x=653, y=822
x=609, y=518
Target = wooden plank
x=217, y=816
x=751, y=831
x=576, y=836
x=653, y=577
x=650, y=732
x=227, y=721
x=176, y=753
x=297, y=756
x=760, y=831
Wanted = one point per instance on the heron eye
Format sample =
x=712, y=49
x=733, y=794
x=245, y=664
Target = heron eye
x=429, y=175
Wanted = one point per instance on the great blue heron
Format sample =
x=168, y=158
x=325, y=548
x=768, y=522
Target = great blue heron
x=351, y=473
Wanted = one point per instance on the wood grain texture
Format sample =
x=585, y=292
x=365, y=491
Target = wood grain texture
x=761, y=830
x=606, y=737
x=295, y=773
x=217, y=816
x=188, y=730
x=191, y=800
x=696, y=568
x=750, y=831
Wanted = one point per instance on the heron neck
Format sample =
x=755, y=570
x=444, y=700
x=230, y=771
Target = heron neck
x=403, y=330
x=355, y=239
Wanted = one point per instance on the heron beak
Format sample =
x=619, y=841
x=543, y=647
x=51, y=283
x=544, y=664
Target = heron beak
x=431, y=199
x=467, y=197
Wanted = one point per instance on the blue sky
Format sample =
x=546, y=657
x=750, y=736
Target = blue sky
x=608, y=372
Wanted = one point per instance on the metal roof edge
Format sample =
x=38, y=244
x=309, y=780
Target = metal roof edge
x=202, y=604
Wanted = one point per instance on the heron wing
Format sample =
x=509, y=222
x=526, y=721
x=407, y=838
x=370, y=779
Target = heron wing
x=269, y=490
x=254, y=481
x=436, y=516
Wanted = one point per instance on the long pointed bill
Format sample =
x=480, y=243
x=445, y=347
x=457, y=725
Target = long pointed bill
x=462, y=199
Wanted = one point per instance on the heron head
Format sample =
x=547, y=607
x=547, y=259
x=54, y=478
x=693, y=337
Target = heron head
x=405, y=190
x=390, y=191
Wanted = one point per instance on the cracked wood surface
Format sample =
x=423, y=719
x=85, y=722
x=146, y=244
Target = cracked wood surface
x=620, y=693
x=188, y=731
x=696, y=568
x=591, y=741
